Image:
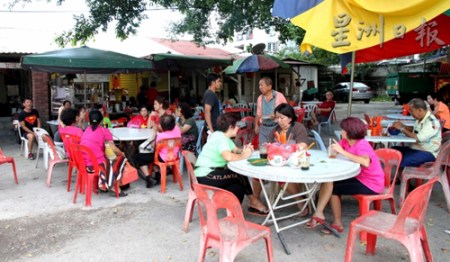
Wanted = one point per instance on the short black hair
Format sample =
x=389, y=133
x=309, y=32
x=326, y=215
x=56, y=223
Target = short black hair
x=68, y=116
x=211, y=77
x=185, y=110
x=66, y=101
x=227, y=120
x=286, y=110
x=167, y=122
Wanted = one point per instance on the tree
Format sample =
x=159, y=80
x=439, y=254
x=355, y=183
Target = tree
x=200, y=16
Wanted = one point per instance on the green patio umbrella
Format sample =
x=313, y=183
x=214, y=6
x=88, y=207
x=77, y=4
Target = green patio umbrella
x=84, y=60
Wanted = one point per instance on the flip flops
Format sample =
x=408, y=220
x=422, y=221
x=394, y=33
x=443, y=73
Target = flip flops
x=332, y=229
x=315, y=222
x=257, y=212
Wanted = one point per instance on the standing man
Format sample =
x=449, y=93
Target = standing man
x=151, y=94
x=211, y=102
x=266, y=103
x=426, y=132
x=28, y=119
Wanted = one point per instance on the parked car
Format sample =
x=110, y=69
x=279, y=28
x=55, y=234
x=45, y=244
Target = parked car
x=361, y=91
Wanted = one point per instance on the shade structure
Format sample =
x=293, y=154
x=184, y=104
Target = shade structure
x=343, y=26
x=255, y=63
x=408, y=45
x=84, y=60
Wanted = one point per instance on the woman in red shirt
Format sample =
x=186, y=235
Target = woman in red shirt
x=141, y=120
x=160, y=107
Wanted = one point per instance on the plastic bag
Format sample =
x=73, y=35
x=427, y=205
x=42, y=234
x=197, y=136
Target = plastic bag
x=277, y=149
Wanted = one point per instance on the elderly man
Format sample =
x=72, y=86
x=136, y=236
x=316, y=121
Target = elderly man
x=426, y=131
x=323, y=110
x=267, y=101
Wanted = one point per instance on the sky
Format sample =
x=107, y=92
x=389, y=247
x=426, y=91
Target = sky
x=32, y=28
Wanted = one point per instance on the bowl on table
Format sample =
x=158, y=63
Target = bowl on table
x=278, y=161
x=393, y=131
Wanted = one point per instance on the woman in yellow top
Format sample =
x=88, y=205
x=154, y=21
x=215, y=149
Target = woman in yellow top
x=440, y=110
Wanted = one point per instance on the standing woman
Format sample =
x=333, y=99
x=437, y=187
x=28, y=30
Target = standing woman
x=440, y=110
x=96, y=138
x=369, y=181
x=211, y=166
x=160, y=106
x=188, y=127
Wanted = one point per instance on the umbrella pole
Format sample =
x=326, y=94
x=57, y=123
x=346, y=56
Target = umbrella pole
x=168, y=81
x=254, y=87
x=85, y=87
x=350, y=92
x=240, y=87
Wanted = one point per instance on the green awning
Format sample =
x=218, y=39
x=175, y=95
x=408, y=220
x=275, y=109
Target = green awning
x=84, y=60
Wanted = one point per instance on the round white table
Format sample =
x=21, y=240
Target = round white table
x=322, y=169
x=131, y=134
x=399, y=117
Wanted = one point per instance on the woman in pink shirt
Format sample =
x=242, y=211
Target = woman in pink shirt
x=169, y=130
x=95, y=137
x=368, y=182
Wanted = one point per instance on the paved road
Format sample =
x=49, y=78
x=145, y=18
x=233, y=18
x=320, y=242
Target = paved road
x=42, y=224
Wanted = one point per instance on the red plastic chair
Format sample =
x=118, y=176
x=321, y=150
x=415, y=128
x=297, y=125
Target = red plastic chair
x=407, y=227
x=8, y=159
x=86, y=179
x=390, y=160
x=245, y=135
x=190, y=159
x=69, y=139
x=172, y=159
x=230, y=234
x=427, y=171
x=119, y=122
x=54, y=158
x=300, y=113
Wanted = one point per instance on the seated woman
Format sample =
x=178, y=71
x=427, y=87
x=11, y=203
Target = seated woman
x=296, y=133
x=440, y=110
x=69, y=118
x=96, y=138
x=188, y=127
x=106, y=122
x=217, y=152
x=169, y=130
x=369, y=181
x=140, y=121
x=160, y=106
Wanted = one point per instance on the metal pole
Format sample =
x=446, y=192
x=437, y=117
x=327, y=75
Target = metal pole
x=168, y=81
x=350, y=92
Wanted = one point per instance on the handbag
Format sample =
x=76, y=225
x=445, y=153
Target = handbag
x=129, y=174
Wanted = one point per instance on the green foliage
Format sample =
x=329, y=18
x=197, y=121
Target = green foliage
x=200, y=16
x=319, y=56
x=382, y=98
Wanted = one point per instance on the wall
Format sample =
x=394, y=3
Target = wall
x=40, y=94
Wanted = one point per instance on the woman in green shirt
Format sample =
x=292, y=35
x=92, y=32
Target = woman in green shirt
x=211, y=166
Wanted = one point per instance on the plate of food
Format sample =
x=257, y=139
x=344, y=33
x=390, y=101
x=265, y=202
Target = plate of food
x=277, y=161
x=258, y=161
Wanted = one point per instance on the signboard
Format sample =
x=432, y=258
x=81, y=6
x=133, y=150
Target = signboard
x=6, y=65
x=91, y=78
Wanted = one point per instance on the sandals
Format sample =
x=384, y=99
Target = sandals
x=315, y=222
x=257, y=212
x=332, y=229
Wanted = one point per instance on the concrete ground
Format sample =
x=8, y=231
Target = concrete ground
x=38, y=223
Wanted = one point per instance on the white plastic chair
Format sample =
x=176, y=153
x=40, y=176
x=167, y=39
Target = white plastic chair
x=309, y=108
x=41, y=145
x=24, y=142
x=327, y=123
x=319, y=142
